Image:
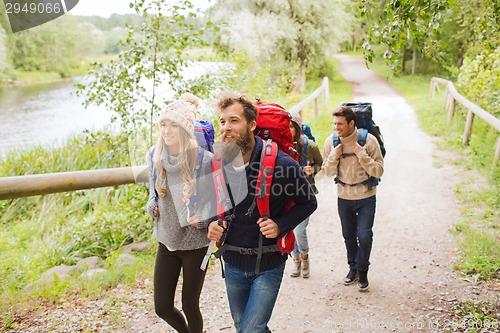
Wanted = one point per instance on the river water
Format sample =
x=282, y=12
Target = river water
x=45, y=114
x=49, y=113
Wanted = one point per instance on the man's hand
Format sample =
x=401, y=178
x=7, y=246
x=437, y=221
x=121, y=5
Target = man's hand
x=358, y=148
x=268, y=228
x=156, y=212
x=338, y=150
x=215, y=231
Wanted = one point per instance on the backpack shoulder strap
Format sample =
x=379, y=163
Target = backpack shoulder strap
x=303, y=160
x=152, y=153
x=265, y=178
x=263, y=188
x=362, y=134
x=336, y=139
x=199, y=163
x=221, y=193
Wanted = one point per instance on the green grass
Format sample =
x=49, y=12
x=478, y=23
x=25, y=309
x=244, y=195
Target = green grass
x=39, y=232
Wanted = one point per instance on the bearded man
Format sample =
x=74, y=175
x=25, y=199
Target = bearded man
x=252, y=285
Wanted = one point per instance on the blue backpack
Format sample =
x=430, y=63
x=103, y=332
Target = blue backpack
x=306, y=129
x=205, y=134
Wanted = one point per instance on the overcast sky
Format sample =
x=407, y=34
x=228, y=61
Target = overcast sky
x=107, y=7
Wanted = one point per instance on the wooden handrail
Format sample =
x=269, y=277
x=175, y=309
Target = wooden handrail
x=324, y=88
x=451, y=97
x=25, y=186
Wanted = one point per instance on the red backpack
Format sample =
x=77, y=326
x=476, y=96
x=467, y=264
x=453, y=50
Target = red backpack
x=273, y=122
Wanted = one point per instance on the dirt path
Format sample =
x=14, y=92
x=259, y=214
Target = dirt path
x=412, y=283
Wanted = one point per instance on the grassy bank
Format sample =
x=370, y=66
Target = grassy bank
x=37, y=233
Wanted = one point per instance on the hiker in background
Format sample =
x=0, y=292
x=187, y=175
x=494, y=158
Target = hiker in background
x=310, y=160
x=355, y=167
x=252, y=287
x=181, y=231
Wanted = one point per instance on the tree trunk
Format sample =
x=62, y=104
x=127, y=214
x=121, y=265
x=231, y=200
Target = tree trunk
x=403, y=62
x=299, y=83
x=414, y=62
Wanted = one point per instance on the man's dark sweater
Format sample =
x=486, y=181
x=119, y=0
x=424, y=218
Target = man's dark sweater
x=288, y=182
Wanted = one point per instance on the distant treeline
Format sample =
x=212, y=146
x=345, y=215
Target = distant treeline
x=64, y=45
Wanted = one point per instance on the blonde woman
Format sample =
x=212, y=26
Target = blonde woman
x=179, y=225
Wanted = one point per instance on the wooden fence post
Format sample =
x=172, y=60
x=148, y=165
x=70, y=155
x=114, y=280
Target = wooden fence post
x=497, y=154
x=468, y=128
x=315, y=109
x=451, y=108
x=326, y=92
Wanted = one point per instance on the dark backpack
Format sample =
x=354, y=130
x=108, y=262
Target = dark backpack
x=205, y=134
x=364, y=119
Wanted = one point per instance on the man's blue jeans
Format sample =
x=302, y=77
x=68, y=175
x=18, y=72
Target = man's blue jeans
x=301, y=243
x=252, y=297
x=357, y=218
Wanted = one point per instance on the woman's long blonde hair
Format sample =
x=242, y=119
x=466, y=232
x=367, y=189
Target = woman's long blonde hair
x=188, y=155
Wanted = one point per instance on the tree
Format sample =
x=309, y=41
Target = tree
x=444, y=30
x=152, y=58
x=292, y=35
x=49, y=47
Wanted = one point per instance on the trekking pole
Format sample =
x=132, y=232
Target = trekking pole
x=204, y=263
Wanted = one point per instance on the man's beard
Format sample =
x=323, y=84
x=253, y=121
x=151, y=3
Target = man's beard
x=229, y=150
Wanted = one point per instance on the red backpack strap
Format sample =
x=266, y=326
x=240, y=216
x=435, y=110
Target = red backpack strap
x=221, y=193
x=265, y=178
x=263, y=188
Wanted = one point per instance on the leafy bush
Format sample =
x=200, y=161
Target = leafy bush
x=479, y=81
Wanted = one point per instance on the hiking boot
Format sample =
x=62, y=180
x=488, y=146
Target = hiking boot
x=305, y=265
x=363, y=281
x=351, y=277
x=296, y=267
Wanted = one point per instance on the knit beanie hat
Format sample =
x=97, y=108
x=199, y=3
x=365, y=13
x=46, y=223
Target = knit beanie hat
x=296, y=119
x=183, y=113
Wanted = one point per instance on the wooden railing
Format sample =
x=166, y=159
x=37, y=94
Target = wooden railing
x=324, y=88
x=451, y=97
x=25, y=186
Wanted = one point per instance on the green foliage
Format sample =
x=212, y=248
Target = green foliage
x=477, y=316
x=399, y=24
x=49, y=47
x=442, y=31
x=480, y=252
x=479, y=80
x=39, y=232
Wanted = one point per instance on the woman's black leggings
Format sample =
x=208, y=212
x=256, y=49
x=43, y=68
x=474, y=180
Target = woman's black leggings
x=167, y=270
